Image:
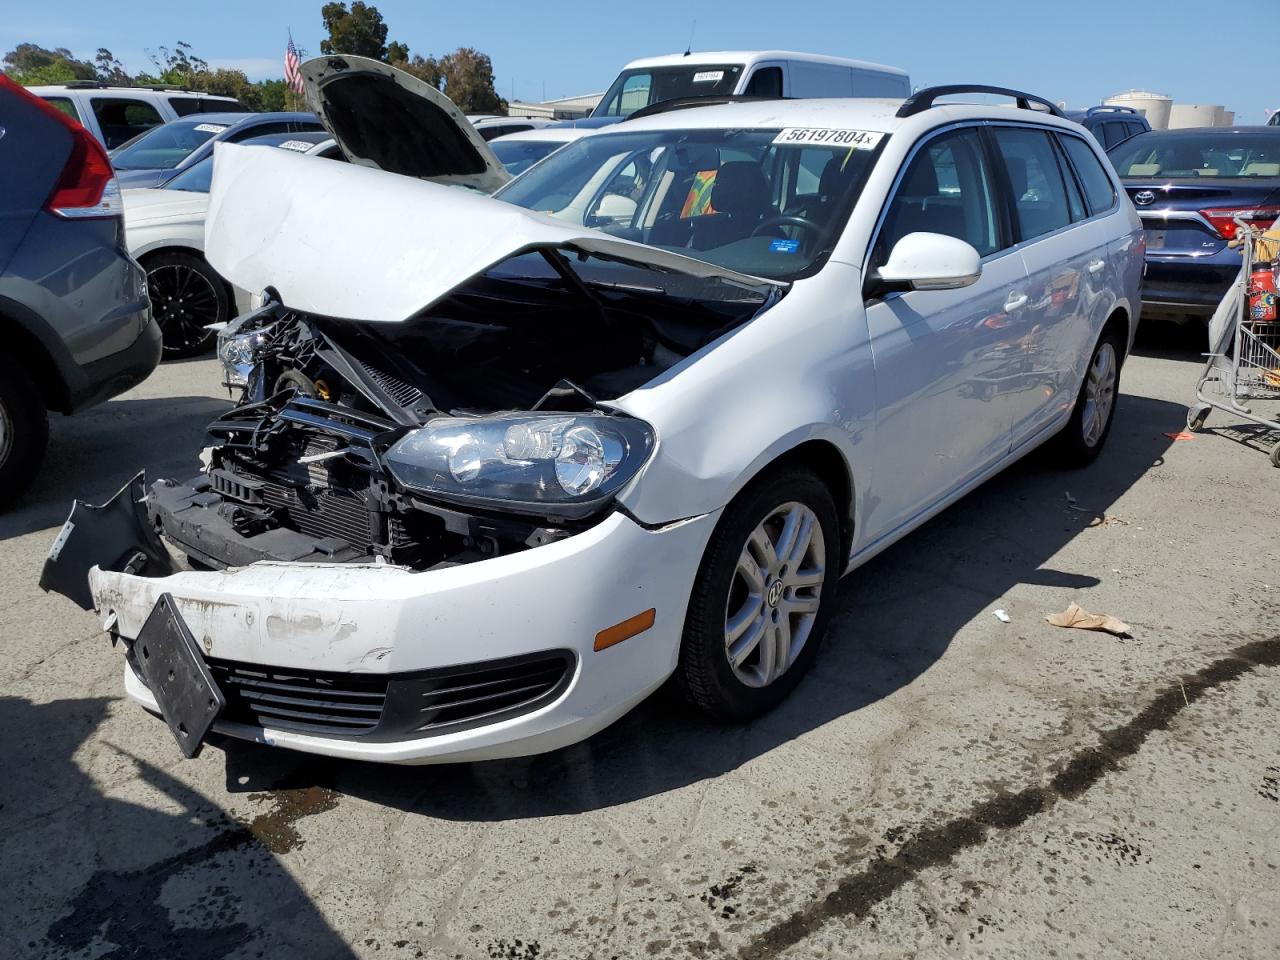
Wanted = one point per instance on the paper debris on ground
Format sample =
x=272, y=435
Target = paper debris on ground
x=1077, y=617
x=1180, y=435
x=1003, y=617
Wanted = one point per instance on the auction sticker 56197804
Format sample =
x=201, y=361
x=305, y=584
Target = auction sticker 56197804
x=857, y=139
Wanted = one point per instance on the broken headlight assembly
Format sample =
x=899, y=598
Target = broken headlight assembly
x=564, y=465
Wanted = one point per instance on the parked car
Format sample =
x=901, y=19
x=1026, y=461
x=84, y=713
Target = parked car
x=116, y=115
x=496, y=475
x=1189, y=186
x=490, y=128
x=755, y=73
x=151, y=158
x=74, y=316
x=519, y=151
x=165, y=230
x=1111, y=125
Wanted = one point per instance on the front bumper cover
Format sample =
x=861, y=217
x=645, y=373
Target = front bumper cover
x=361, y=619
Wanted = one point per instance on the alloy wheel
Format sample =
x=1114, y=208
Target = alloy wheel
x=185, y=303
x=775, y=593
x=1099, y=394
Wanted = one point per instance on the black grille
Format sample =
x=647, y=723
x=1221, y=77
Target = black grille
x=347, y=704
x=390, y=706
x=324, y=512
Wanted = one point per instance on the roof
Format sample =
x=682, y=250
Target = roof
x=837, y=114
x=1270, y=131
x=718, y=57
x=103, y=88
x=231, y=119
x=555, y=134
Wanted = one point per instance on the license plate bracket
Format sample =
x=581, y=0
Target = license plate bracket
x=169, y=660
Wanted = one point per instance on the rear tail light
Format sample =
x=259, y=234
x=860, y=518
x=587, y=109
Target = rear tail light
x=87, y=186
x=1223, y=219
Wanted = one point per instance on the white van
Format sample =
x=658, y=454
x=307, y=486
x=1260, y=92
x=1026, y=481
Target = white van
x=752, y=73
x=117, y=114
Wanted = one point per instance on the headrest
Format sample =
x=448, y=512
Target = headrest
x=740, y=189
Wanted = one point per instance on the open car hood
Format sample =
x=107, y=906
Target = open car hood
x=385, y=118
x=360, y=244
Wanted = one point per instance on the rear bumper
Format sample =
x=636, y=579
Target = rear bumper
x=1186, y=285
x=367, y=619
x=113, y=375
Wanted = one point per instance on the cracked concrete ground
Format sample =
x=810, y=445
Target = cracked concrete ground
x=942, y=785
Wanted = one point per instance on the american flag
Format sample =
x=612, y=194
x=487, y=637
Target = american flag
x=292, y=75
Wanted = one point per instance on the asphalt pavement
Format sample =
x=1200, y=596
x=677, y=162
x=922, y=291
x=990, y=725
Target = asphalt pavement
x=943, y=784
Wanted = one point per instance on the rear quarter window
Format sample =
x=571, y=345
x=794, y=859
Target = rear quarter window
x=1098, y=190
x=65, y=105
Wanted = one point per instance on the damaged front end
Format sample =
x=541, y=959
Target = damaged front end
x=481, y=427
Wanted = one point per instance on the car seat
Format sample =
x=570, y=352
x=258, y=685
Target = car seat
x=740, y=199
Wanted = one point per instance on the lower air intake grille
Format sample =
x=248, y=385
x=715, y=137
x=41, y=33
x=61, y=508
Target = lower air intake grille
x=391, y=706
x=309, y=702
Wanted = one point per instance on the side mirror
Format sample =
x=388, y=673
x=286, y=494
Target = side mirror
x=930, y=261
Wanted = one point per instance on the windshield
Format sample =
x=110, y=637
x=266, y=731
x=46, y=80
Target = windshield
x=765, y=202
x=638, y=88
x=1209, y=154
x=519, y=155
x=197, y=178
x=166, y=146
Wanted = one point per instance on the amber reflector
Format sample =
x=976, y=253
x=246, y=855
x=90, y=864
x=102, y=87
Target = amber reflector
x=626, y=629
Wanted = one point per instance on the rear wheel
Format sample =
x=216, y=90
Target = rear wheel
x=762, y=599
x=1081, y=441
x=187, y=296
x=24, y=431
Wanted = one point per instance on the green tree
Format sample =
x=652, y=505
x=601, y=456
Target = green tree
x=31, y=64
x=359, y=31
x=468, y=81
x=273, y=95
x=110, y=70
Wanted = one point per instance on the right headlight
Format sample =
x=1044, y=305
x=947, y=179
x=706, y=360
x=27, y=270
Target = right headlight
x=561, y=464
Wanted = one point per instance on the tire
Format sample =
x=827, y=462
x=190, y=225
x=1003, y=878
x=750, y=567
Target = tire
x=1083, y=438
x=24, y=431
x=721, y=598
x=187, y=296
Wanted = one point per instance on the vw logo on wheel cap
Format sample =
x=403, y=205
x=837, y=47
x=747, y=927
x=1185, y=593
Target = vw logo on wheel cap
x=775, y=593
x=1144, y=197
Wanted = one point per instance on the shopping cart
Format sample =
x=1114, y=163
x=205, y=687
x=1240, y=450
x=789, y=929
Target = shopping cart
x=1244, y=339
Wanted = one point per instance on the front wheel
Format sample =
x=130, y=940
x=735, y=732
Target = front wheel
x=187, y=298
x=763, y=596
x=1085, y=433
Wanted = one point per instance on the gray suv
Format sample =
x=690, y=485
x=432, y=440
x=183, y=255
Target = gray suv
x=75, y=321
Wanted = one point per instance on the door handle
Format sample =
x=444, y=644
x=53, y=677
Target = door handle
x=1096, y=265
x=1015, y=301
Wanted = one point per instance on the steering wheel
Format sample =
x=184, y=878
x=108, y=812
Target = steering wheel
x=788, y=220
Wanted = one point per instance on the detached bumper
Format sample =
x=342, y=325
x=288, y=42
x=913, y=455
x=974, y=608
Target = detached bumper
x=372, y=623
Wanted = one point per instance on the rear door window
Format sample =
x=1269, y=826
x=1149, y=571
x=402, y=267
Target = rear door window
x=122, y=119
x=1098, y=190
x=65, y=105
x=1038, y=194
x=260, y=131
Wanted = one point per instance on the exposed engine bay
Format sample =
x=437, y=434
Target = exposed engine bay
x=479, y=427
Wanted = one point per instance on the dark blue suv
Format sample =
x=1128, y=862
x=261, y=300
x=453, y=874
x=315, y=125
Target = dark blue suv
x=1189, y=187
x=1110, y=125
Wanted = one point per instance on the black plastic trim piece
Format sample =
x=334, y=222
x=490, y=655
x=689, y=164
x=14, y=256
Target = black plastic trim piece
x=922, y=100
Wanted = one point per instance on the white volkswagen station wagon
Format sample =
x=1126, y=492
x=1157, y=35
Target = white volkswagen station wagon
x=503, y=466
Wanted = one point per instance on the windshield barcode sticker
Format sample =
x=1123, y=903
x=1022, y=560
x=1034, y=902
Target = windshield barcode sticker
x=856, y=139
x=209, y=127
x=708, y=76
x=298, y=146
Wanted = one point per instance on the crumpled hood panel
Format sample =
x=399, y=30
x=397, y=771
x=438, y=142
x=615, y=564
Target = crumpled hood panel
x=346, y=241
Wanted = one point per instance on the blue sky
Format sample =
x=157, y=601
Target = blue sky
x=1079, y=52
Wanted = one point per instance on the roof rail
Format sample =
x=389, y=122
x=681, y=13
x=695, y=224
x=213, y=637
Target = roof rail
x=1108, y=108
x=922, y=100
x=684, y=103
x=83, y=85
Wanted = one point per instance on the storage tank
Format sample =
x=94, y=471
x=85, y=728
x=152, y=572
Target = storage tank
x=1154, y=106
x=1196, y=115
x=1226, y=118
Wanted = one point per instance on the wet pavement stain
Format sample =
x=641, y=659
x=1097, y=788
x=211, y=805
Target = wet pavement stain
x=276, y=829
x=931, y=846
